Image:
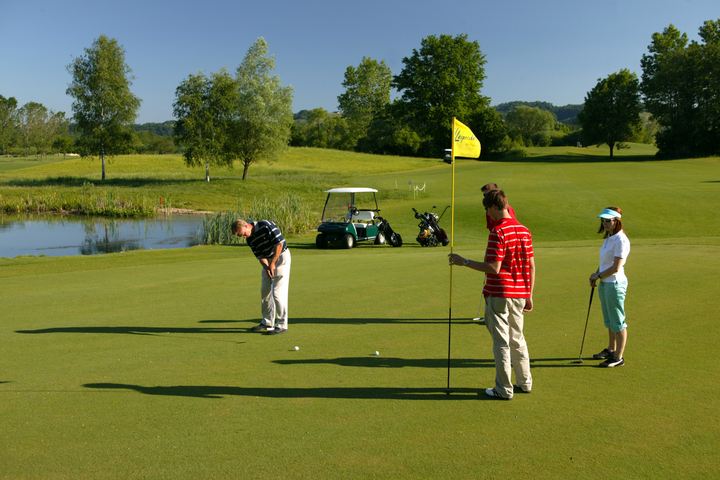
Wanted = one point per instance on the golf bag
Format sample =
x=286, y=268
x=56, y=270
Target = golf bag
x=391, y=237
x=430, y=232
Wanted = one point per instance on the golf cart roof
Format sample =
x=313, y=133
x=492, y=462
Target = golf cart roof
x=350, y=190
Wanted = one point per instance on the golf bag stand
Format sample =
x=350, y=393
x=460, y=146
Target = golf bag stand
x=391, y=236
x=430, y=232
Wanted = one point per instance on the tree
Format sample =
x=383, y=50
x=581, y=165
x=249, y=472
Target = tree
x=337, y=133
x=203, y=107
x=528, y=121
x=648, y=130
x=31, y=118
x=316, y=116
x=681, y=87
x=320, y=130
x=261, y=118
x=297, y=135
x=367, y=91
x=103, y=106
x=612, y=110
x=487, y=125
x=64, y=144
x=300, y=116
x=53, y=125
x=710, y=96
x=566, y=114
x=389, y=138
x=150, y=143
x=164, y=129
x=8, y=122
x=389, y=134
x=441, y=81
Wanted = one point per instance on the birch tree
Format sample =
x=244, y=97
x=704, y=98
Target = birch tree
x=104, y=108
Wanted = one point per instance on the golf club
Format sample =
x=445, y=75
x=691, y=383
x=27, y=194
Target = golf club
x=480, y=317
x=580, y=360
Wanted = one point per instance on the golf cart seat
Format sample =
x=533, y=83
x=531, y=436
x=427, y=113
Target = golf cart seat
x=363, y=217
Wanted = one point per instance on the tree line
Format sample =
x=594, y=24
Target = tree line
x=676, y=105
x=566, y=114
x=246, y=117
x=679, y=93
x=33, y=130
x=441, y=80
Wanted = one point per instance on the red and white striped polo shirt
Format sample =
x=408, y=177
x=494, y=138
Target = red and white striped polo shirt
x=511, y=244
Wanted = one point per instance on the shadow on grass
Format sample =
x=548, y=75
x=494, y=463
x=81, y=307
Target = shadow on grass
x=386, y=362
x=359, y=321
x=373, y=361
x=134, y=330
x=209, y=391
x=137, y=330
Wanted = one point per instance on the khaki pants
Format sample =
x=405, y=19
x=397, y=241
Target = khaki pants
x=274, y=293
x=504, y=321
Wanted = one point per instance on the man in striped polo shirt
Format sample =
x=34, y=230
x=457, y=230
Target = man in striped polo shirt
x=508, y=292
x=270, y=248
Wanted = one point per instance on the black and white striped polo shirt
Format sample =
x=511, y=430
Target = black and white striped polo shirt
x=265, y=238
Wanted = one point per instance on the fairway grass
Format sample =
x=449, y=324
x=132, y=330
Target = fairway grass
x=143, y=365
x=305, y=171
x=149, y=369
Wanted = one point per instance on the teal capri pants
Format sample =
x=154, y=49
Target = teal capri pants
x=612, y=300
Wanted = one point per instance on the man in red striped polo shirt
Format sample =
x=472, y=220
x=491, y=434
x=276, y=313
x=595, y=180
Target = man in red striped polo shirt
x=508, y=292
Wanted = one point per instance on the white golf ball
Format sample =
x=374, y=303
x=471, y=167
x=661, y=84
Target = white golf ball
x=297, y=348
x=377, y=353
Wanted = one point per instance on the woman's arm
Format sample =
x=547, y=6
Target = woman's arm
x=617, y=263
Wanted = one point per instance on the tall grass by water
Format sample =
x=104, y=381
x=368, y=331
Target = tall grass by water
x=288, y=211
x=88, y=200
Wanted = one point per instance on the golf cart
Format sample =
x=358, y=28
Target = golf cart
x=345, y=223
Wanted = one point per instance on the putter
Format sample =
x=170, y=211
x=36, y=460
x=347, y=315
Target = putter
x=480, y=317
x=580, y=360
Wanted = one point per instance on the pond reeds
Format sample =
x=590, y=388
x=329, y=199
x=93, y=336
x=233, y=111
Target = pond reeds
x=89, y=200
x=288, y=212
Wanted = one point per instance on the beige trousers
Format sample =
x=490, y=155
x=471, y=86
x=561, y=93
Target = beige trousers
x=274, y=293
x=504, y=321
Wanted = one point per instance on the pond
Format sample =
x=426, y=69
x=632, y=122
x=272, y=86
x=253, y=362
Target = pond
x=55, y=235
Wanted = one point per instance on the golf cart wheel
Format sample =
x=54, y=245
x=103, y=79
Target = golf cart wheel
x=398, y=241
x=321, y=241
x=380, y=239
x=347, y=241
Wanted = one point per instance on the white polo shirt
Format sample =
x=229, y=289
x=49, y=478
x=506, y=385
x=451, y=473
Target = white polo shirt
x=616, y=245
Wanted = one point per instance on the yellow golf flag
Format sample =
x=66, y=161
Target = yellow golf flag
x=465, y=144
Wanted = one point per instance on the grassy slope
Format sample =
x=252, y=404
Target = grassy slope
x=307, y=171
x=142, y=364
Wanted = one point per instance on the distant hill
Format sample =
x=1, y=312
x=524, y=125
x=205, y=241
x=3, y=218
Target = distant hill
x=301, y=116
x=567, y=114
x=164, y=129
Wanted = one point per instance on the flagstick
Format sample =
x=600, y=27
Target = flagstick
x=452, y=237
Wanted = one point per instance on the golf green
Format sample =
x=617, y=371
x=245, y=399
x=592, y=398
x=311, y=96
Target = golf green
x=143, y=365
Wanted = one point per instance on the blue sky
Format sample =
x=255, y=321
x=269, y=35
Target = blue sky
x=552, y=50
